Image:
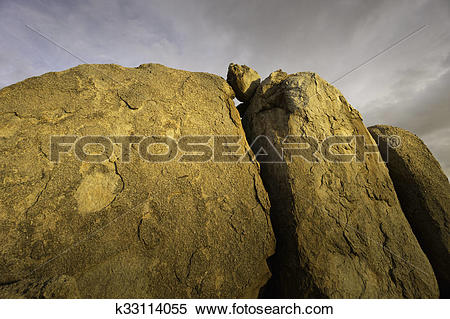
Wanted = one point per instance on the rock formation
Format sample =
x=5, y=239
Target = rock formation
x=243, y=80
x=424, y=193
x=103, y=214
x=340, y=229
x=118, y=228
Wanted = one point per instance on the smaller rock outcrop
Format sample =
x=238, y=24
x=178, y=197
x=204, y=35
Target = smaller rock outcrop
x=243, y=80
x=424, y=193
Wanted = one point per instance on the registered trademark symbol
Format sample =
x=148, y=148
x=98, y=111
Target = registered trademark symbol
x=394, y=141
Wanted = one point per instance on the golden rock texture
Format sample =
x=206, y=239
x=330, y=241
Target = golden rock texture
x=340, y=229
x=127, y=230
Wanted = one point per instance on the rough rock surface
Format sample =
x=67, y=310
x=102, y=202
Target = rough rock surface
x=56, y=287
x=424, y=193
x=243, y=80
x=340, y=230
x=126, y=230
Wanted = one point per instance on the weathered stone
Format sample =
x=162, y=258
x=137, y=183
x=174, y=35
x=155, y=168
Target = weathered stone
x=120, y=229
x=340, y=229
x=243, y=80
x=58, y=287
x=424, y=193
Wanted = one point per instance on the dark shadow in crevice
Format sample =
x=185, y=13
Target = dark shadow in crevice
x=290, y=277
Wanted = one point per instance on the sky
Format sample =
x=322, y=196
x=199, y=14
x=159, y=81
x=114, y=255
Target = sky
x=407, y=85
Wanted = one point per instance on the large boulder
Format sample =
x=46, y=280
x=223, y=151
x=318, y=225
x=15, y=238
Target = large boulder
x=243, y=80
x=340, y=229
x=424, y=193
x=126, y=228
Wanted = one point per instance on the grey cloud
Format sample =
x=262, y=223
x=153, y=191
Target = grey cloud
x=423, y=110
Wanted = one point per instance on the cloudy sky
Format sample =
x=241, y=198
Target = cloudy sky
x=406, y=86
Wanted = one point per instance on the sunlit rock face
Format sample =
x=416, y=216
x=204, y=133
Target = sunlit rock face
x=126, y=229
x=340, y=229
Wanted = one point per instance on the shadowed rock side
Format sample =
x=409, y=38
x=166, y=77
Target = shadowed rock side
x=340, y=230
x=126, y=230
x=424, y=193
